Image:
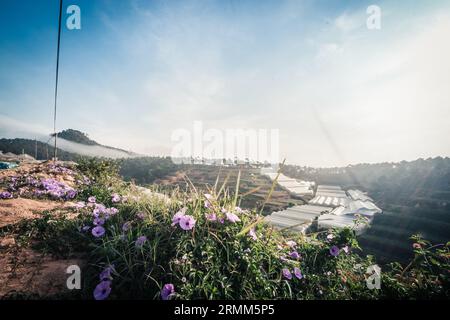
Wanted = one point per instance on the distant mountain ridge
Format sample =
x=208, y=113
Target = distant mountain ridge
x=76, y=136
x=82, y=138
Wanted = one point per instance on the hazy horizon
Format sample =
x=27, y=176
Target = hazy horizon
x=338, y=92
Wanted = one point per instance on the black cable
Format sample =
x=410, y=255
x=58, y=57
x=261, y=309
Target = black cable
x=57, y=73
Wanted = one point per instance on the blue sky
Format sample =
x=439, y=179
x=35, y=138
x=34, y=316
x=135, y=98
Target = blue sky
x=138, y=70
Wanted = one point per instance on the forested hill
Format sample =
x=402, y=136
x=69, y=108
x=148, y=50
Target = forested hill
x=82, y=138
x=77, y=136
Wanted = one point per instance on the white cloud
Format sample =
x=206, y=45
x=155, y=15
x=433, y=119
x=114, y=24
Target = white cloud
x=347, y=23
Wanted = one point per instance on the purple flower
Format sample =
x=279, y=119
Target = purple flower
x=140, y=241
x=99, y=208
x=287, y=274
x=334, y=251
x=346, y=249
x=252, y=234
x=112, y=211
x=92, y=199
x=177, y=216
x=96, y=213
x=99, y=221
x=38, y=193
x=294, y=255
x=126, y=226
x=211, y=217
x=71, y=194
x=102, y=290
x=106, y=274
x=141, y=215
x=298, y=273
x=232, y=217
x=115, y=198
x=167, y=291
x=187, y=222
x=98, y=231
x=5, y=195
x=330, y=236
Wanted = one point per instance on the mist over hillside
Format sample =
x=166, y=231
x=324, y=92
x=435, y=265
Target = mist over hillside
x=70, y=145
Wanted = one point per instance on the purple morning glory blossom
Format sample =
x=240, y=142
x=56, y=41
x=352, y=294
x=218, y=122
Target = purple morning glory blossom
x=98, y=231
x=115, y=198
x=141, y=215
x=106, y=274
x=102, y=290
x=232, y=217
x=211, y=217
x=187, y=222
x=71, y=193
x=334, y=251
x=294, y=255
x=287, y=274
x=112, y=211
x=126, y=226
x=298, y=273
x=346, y=249
x=167, y=291
x=177, y=216
x=92, y=199
x=99, y=221
x=5, y=195
x=140, y=241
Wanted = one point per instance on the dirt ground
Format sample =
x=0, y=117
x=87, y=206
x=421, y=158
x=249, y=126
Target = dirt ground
x=13, y=211
x=22, y=269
